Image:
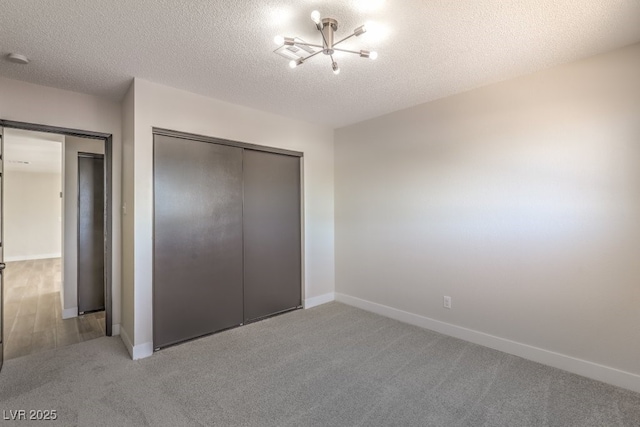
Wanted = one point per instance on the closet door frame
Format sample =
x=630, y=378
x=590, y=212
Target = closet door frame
x=108, y=200
x=244, y=145
x=202, y=138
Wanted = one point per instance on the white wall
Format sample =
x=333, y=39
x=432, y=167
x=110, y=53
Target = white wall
x=128, y=117
x=71, y=147
x=32, y=215
x=162, y=106
x=520, y=200
x=31, y=103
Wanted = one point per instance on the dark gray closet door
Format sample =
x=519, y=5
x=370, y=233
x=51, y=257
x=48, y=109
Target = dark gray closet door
x=272, y=257
x=90, y=232
x=197, y=283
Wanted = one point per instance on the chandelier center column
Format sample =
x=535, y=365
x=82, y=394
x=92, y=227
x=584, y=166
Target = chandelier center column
x=329, y=27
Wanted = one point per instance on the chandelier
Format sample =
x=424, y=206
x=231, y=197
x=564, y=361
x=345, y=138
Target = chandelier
x=299, y=51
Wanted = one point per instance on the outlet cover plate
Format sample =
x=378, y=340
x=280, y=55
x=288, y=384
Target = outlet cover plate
x=447, y=302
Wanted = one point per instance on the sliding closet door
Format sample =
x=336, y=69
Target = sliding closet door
x=198, y=239
x=90, y=233
x=272, y=255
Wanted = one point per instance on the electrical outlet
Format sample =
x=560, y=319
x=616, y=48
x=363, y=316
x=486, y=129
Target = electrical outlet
x=447, y=302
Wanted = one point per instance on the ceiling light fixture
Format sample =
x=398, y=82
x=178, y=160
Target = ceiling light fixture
x=17, y=58
x=327, y=28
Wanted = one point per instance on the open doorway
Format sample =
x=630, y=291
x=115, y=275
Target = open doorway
x=54, y=241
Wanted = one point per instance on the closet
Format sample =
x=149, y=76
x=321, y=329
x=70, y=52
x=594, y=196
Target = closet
x=91, y=292
x=227, y=234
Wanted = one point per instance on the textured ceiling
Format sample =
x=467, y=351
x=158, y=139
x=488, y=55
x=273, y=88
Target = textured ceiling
x=223, y=49
x=41, y=151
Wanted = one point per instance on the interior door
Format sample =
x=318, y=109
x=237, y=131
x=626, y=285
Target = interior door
x=2, y=265
x=197, y=272
x=272, y=252
x=90, y=233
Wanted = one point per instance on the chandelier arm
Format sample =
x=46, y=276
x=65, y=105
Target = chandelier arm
x=346, y=50
x=312, y=55
x=309, y=44
x=346, y=38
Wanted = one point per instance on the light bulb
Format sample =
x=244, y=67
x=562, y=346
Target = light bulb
x=315, y=17
x=360, y=30
x=279, y=40
x=373, y=55
x=293, y=63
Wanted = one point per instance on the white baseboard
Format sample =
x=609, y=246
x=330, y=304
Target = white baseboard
x=143, y=350
x=136, y=352
x=124, y=336
x=30, y=257
x=319, y=300
x=68, y=313
x=115, y=329
x=581, y=367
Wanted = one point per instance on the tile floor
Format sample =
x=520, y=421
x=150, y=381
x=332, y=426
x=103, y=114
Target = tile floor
x=32, y=312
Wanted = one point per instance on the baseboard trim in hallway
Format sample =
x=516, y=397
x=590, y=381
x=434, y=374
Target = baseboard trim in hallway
x=31, y=257
x=574, y=365
x=68, y=313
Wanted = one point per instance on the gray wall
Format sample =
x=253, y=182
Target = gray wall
x=71, y=147
x=520, y=200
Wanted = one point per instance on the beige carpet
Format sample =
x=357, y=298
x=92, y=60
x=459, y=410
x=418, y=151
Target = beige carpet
x=333, y=365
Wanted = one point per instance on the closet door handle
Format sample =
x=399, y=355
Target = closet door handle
x=2, y=266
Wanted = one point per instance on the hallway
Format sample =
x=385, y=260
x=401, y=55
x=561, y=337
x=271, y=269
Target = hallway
x=32, y=310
